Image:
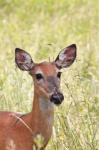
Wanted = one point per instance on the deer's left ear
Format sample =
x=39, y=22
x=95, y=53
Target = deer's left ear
x=66, y=57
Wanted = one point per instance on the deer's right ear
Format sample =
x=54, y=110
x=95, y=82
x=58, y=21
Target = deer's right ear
x=23, y=60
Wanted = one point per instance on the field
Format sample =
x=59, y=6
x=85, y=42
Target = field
x=43, y=28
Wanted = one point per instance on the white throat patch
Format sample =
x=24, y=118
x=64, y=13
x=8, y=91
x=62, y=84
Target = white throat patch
x=45, y=105
x=10, y=145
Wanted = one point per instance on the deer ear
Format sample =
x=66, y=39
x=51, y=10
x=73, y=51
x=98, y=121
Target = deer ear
x=66, y=57
x=23, y=59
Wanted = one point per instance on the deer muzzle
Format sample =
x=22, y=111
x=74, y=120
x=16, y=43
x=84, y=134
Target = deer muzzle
x=57, y=98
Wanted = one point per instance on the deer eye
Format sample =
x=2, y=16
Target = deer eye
x=39, y=76
x=59, y=74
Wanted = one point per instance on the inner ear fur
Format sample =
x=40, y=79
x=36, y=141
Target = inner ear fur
x=66, y=57
x=23, y=60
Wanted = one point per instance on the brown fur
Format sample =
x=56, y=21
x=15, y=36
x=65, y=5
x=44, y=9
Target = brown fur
x=14, y=129
x=21, y=132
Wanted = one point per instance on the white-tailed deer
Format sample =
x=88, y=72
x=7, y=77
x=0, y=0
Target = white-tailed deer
x=21, y=132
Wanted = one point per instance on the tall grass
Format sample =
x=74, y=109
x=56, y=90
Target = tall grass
x=43, y=28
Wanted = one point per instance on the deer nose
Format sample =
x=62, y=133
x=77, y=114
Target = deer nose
x=57, y=98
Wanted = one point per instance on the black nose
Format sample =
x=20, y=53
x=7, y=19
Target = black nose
x=57, y=98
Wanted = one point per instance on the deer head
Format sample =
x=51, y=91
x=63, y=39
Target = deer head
x=47, y=75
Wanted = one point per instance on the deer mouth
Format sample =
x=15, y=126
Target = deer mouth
x=57, y=98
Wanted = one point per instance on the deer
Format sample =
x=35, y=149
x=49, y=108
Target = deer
x=22, y=131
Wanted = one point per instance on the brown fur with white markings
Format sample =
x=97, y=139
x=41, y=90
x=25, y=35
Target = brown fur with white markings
x=16, y=135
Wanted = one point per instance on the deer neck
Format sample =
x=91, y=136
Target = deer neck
x=42, y=115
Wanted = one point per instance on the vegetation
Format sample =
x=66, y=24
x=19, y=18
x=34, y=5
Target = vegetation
x=43, y=28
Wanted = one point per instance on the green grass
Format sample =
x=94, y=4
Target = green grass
x=43, y=28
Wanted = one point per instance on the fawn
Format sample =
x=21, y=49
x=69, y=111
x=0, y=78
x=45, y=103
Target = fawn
x=20, y=132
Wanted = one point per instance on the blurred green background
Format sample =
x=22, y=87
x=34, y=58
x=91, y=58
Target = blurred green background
x=43, y=28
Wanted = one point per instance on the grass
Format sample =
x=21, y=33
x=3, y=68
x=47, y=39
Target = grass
x=43, y=28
